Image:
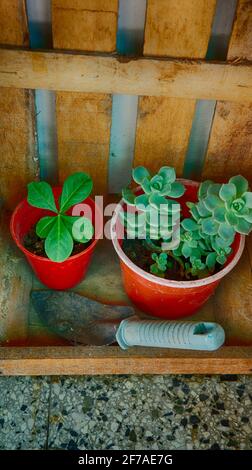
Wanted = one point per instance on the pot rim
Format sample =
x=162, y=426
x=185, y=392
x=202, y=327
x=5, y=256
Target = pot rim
x=43, y=258
x=166, y=282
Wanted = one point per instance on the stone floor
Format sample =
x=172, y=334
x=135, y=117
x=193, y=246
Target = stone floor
x=126, y=412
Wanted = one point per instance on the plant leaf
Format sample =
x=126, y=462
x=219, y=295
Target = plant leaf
x=177, y=189
x=214, y=189
x=227, y=192
x=44, y=226
x=189, y=225
x=168, y=174
x=82, y=230
x=243, y=227
x=202, y=192
x=248, y=199
x=69, y=221
x=230, y=218
x=209, y=226
x=219, y=214
x=248, y=217
x=128, y=196
x=139, y=174
x=146, y=185
x=240, y=183
x=40, y=195
x=142, y=202
x=211, y=202
x=186, y=250
x=76, y=189
x=59, y=243
x=226, y=231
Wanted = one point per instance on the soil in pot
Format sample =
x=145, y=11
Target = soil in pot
x=36, y=245
x=140, y=255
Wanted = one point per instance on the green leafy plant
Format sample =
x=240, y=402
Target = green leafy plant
x=60, y=230
x=205, y=238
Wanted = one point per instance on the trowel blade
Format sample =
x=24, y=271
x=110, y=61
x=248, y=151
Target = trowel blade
x=77, y=318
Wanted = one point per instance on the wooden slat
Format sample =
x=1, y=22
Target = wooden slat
x=230, y=145
x=15, y=286
x=84, y=120
x=16, y=115
x=176, y=78
x=176, y=29
x=111, y=360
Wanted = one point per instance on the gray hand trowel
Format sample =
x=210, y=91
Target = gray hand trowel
x=85, y=321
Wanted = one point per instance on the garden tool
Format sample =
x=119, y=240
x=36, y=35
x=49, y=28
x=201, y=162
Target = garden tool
x=85, y=321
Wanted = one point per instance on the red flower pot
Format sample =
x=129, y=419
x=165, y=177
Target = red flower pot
x=54, y=275
x=162, y=297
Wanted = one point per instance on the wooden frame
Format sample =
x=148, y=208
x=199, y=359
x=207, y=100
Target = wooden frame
x=79, y=360
x=177, y=78
x=146, y=76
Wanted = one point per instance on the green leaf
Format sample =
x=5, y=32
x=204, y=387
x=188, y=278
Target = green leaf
x=195, y=213
x=76, y=189
x=231, y=219
x=168, y=174
x=44, y=226
x=243, y=227
x=177, y=189
x=82, y=230
x=128, y=196
x=202, y=210
x=211, y=202
x=226, y=231
x=146, y=186
x=59, y=242
x=209, y=226
x=221, y=259
x=142, y=202
x=227, y=192
x=139, y=174
x=186, y=250
x=40, y=195
x=248, y=217
x=69, y=221
x=165, y=191
x=189, y=225
x=219, y=214
x=248, y=199
x=211, y=260
x=74, y=224
x=240, y=183
x=202, y=192
x=214, y=189
x=159, y=202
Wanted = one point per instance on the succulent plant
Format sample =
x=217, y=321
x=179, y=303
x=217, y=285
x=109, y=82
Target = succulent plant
x=206, y=238
x=155, y=214
x=156, y=190
x=226, y=208
x=160, y=265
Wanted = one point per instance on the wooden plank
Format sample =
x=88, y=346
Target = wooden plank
x=112, y=360
x=193, y=79
x=15, y=282
x=176, y=29
x=232, y=303
x=17, y=146
x=230, y=144
x=84, y=120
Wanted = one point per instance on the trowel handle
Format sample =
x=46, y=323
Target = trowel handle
x=204, y=336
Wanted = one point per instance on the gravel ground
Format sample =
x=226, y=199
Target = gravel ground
x=126, y=412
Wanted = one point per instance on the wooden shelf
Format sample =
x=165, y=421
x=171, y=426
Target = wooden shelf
x=29, y=347
x=151, y=76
